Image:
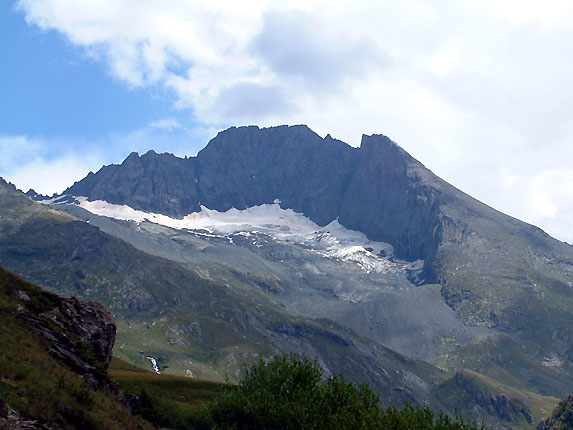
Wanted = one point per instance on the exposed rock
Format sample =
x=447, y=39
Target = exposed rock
x=562, y=416
x=11, y=419
x=90, y=323
x=322, y=178
x=80, y=334
x=498, y=405
x=130, y=401
x=22, y=295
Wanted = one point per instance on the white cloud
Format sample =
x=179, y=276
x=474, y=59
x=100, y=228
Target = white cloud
x=30, y=163
x=49, y=176
x=479, y=91
x=544, y=199
x=51, y=165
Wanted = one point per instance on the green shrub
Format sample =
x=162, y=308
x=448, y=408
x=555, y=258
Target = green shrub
x=289, y=392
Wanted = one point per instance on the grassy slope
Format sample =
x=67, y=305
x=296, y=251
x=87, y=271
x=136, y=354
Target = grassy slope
x=187, y=392
x=462, y=391
x=511, y=276
x=166, y=400
x=34, y=383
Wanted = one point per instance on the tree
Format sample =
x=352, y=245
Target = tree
x=289, y=392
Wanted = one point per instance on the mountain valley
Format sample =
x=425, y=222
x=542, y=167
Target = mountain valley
x=276, y=239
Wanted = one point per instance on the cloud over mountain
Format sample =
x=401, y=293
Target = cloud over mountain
x=479, y=91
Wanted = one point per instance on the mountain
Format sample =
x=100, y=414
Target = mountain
x=187, y=320
x=494, y=271
x=324, y=179
x=279, y=240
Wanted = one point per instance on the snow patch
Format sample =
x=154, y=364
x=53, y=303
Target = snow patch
x=153, y=362
x=552, y=361
x=332, y=240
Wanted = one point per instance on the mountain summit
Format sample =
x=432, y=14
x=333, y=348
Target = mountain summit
x=488, y=264
x=378, y=189
x=367, y=239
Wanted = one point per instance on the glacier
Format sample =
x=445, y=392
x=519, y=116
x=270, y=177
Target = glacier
x=332, y=241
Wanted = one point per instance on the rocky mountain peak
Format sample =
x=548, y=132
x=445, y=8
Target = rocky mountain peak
x=378, y=189
x=8, y=186
x=133, y=157
x=253, y=140
x=377, y=140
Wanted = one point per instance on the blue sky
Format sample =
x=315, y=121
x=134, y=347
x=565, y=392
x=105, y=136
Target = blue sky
x=51, y=88
x=62, y=104
x=479, y=91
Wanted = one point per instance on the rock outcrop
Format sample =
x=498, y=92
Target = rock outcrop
x=11, y=419
x=562, y=416
x=90, y=323
x=80, y=334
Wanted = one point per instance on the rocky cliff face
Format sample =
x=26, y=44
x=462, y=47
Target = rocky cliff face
x=378, y=189
x=562, y=417
x=80, y=334
x=89, y=323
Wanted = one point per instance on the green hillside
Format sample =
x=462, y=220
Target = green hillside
x=37, y=385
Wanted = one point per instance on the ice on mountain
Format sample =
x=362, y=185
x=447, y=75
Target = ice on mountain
x=333, y=240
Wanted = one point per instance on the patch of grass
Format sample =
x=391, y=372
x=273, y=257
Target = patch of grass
x=469, y=391
x=187, y=391
x=166, y=400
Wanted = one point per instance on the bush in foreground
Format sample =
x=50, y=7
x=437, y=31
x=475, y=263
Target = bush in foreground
x=289, y=392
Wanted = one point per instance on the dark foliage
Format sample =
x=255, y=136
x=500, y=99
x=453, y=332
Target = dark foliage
x=289, y=392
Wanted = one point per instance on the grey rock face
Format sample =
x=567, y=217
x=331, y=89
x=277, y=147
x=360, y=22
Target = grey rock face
x=90, y=323
x=73, y=326
x=476, y=253
x=375, y=189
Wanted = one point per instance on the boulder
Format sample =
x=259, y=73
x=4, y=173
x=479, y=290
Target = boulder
x=80, y=334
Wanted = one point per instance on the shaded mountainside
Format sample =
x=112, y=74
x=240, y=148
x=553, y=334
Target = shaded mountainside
x=190, y=323
x=495, y=271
